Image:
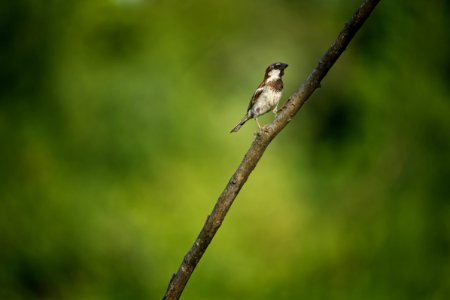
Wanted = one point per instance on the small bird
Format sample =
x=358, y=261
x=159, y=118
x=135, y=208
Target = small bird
x=266, y=96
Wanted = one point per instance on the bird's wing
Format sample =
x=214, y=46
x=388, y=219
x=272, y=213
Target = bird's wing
x=256, y=95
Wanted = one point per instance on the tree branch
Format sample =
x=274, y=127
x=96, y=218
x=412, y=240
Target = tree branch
x=259, y=145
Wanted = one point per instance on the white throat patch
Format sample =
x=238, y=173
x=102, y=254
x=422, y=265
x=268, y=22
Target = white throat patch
x=273, y=75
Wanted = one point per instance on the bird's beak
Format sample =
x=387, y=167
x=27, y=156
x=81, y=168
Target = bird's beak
x=282, y=67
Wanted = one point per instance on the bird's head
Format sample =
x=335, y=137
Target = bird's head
x=275, y=71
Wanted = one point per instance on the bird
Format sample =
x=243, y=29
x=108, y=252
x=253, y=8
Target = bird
x=266, y=96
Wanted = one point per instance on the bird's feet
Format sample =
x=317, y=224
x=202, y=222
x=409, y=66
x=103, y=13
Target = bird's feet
x=275, y=111
x=265, y=128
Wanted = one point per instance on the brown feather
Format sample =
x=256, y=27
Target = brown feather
x=255, y=96
x=241, y=122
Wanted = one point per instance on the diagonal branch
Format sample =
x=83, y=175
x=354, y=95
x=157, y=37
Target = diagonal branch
x=259, y=145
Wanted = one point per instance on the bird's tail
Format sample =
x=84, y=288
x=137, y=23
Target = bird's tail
x=241, y=122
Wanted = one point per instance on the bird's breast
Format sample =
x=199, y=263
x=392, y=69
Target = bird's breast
x=267, y=101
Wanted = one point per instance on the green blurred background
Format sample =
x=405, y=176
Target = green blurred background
x=115, y=144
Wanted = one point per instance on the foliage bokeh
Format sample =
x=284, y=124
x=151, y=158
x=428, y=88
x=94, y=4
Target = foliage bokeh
x=114, y=121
